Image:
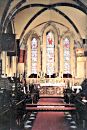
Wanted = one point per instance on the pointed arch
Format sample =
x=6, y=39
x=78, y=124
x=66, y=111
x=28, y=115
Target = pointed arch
x=33, y=53
x=50, y=49
x=66, y=53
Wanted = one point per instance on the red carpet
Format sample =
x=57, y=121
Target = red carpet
x=50, y=120
x=50, y=100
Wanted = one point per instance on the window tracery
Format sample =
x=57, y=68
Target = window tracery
x=50, y=53
x=34, y=45
x=66, y=45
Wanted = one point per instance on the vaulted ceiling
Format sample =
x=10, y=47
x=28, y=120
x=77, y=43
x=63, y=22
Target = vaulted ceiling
x=24, y=15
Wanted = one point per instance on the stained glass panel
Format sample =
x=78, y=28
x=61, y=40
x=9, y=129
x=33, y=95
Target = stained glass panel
x=50, y=53
x=66, y=55
x=34, y=55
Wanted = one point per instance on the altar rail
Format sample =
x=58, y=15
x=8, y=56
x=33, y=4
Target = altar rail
x=50, y=108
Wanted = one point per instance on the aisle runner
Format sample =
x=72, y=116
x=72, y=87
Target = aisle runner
x=50, y=101
x=50, y=120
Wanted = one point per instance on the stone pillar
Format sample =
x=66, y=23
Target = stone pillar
x=7, y=65
x=13, y=68
x=28, y=60
x=3, y=57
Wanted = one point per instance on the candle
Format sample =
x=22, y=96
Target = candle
x=24, y=90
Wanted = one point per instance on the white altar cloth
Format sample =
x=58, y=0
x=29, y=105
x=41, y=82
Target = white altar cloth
x=52, y=84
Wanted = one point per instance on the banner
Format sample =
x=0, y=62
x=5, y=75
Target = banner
x=25, y=56
x=22, y=56
x=85, y=53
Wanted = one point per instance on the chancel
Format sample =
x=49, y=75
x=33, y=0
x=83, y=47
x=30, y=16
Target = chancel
x=43, y=64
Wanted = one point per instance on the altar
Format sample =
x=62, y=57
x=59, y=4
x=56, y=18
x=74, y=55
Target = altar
x=51, y=89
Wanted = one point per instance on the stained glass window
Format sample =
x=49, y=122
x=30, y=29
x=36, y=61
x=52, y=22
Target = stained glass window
x=34, y=55
x=66, y=56
x=50, y=53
